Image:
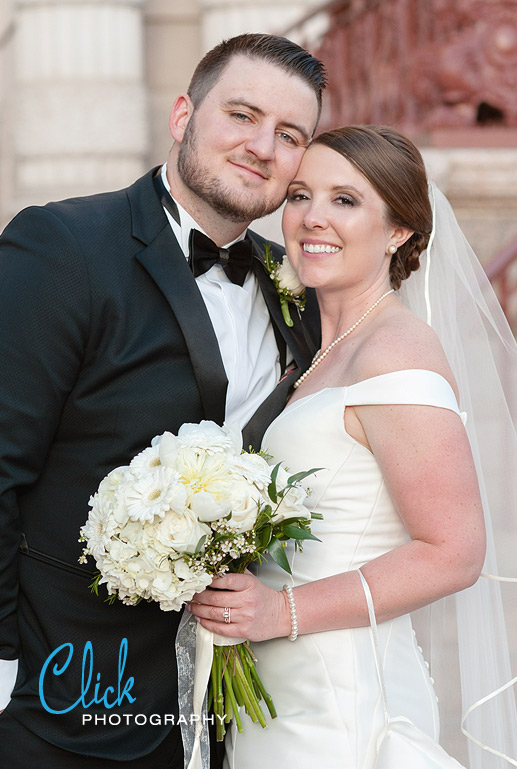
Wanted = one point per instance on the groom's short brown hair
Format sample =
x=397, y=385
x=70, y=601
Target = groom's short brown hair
x=271, y=48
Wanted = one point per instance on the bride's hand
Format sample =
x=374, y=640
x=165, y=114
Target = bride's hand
x=257, y=612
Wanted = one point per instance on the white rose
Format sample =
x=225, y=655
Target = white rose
x=292, y=505
x=209, y=507
x=244, y=506
x=180, y=532
x=288, y=279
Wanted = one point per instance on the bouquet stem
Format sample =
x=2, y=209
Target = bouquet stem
x=235, y=682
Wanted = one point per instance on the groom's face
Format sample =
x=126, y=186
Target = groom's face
x=243, y=144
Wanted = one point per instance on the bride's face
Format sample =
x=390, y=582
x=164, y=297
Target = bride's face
x=334, y=224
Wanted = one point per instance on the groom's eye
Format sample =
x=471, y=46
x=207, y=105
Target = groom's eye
x=240, y=116
x=294, y=196
x=287, y=138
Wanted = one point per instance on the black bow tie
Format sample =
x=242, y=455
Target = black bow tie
x=235, y=260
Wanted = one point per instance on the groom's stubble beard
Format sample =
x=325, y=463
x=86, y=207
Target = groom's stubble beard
x=235, y=206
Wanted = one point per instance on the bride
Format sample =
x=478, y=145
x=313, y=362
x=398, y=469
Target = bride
x=378, y=410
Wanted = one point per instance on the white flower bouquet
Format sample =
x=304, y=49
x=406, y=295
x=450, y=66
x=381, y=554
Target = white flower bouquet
x=186, y=509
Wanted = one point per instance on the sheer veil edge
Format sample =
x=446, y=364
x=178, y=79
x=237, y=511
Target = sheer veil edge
x=452, y=293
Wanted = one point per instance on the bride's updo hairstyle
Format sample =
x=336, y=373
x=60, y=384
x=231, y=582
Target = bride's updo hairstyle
x=395, y=169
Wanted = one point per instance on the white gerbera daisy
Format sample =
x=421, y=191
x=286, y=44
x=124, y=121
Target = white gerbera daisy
x=146, y=462
x=153, y=494
x=100, y=526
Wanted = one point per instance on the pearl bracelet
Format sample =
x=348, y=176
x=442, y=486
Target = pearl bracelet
x=292, y=608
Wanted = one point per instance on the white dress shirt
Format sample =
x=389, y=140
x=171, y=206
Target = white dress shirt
x=247, y=345
x=242, y=326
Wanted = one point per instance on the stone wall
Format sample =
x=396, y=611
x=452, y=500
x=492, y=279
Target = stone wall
x=86, y=86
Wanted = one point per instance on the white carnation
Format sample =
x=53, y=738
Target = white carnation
x=253, y=467
x=210, y=438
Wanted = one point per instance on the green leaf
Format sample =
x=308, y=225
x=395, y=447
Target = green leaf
x=271, y=489
x=265, y=536
x=94, y=587
x=294, y=532
x=199, y=545
x=277, y=553
x=300, y=476
x=317, y=516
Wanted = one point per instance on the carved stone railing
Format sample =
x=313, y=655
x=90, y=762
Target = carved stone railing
x=422, y=63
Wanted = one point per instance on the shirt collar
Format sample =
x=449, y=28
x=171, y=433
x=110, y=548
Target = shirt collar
x=187, y=223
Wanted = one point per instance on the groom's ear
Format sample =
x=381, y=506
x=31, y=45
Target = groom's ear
x=182, y=111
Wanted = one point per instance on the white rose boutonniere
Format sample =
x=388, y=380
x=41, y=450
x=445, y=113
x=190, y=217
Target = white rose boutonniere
x=287, y=283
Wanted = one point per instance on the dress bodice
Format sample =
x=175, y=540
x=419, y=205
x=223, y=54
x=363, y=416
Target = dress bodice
x=360, y=521
x=325, y=685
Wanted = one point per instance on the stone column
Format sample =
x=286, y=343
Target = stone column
x=79, y=118
x=6, y=96
x=221, y=19
x=226, y=18
x=172, y=53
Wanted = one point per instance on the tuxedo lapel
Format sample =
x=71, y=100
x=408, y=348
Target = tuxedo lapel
x=269, y=410
x=294, y=336
x=165, y=262
x=297, y=339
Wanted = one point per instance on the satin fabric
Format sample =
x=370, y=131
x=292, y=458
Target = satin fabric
x=325, y=685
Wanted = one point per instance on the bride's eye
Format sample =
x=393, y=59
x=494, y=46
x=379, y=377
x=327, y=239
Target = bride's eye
x=345, y=200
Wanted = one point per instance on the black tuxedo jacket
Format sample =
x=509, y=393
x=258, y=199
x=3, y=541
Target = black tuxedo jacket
x=105, y=342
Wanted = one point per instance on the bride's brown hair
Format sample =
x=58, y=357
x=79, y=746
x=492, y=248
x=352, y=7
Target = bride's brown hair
x=395, y=169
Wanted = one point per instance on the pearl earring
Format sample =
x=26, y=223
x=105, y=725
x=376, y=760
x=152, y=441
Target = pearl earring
x=392, y=249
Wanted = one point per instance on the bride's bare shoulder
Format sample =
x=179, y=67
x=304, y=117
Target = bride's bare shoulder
x=401, y=340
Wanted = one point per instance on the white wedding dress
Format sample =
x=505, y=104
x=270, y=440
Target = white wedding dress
x=324, y=685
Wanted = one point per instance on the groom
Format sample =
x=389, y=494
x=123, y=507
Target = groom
x=116, y=324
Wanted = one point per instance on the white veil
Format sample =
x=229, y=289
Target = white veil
x=468, y=637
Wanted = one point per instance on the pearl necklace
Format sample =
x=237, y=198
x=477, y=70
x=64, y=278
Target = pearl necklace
x=320, y=356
